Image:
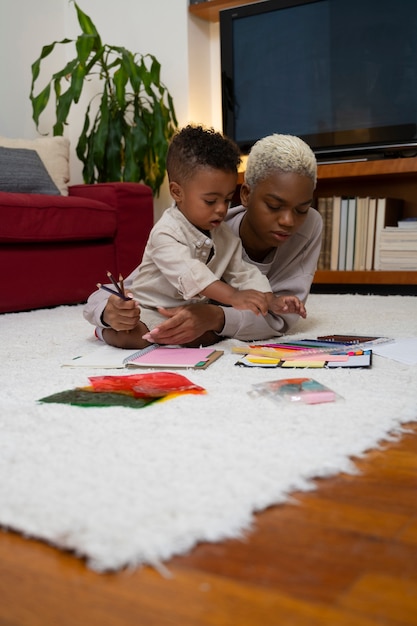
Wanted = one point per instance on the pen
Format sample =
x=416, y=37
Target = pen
x=113, y=291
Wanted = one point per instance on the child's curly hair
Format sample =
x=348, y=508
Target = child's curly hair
x=195, y=147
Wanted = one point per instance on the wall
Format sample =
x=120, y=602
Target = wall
x=23, y=31
x=187, y=48
x=204, y=72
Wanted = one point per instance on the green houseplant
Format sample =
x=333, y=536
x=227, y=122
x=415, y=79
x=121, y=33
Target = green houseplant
x=127, y=137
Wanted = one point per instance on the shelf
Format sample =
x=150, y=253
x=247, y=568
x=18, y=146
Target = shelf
x=365, y=169
x=388, y=168
x=372, y=277
x=209, y=10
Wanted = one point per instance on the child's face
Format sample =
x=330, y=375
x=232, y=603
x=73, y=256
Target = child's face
x=276, y=208
x=204, y=199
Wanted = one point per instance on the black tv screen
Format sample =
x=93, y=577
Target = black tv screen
x=341, y=74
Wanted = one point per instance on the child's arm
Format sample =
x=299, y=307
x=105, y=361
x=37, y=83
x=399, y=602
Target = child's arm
x=248, y=299
x=286, y=304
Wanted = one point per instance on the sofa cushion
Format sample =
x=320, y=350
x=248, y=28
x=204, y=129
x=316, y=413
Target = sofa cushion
x=22, y=171
x=34, y=218
x=53, y=152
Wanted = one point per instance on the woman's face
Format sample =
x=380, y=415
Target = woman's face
x=276, y=208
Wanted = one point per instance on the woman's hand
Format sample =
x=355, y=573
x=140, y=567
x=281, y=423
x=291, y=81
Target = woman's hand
x=195, y=324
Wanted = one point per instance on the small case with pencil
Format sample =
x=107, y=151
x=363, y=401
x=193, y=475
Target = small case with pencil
x=302, y=390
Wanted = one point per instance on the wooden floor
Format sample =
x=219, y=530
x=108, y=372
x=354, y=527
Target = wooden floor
x=345, y=554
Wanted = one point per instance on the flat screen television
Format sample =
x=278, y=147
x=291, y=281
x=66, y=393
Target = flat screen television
x=341, y=74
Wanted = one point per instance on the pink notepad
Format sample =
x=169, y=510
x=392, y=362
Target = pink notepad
x=173, y=357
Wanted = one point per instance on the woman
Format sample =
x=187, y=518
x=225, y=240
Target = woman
x=281, y=235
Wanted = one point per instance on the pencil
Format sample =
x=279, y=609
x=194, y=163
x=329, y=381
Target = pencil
x=122, y=288
x=115, y=284
x=121, y=283
x=113, y=292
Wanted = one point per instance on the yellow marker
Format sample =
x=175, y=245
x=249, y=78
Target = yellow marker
x=299, y=363
x=260, y=360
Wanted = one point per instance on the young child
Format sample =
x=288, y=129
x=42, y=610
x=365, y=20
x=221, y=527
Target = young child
x=191, y=255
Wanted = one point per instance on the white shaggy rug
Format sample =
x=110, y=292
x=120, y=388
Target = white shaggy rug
x=122, y=487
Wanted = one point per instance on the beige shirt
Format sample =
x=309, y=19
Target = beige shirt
x=180, y=261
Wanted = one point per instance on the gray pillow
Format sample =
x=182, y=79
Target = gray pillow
x=22, y=171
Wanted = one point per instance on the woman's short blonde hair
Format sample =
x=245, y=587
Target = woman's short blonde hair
x=282, y=153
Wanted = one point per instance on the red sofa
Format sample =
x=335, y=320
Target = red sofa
x=54, y=249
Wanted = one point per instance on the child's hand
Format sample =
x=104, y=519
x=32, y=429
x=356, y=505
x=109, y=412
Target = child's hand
x=121, y=314
x=287, y=304
x=251, y=300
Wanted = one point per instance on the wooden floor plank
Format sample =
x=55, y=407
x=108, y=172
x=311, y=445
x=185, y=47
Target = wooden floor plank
x=392, y=600
x=409, y=533
x=347, y=516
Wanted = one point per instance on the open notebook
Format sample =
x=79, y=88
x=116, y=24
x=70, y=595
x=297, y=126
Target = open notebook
x=154, y=356
x=173, y=357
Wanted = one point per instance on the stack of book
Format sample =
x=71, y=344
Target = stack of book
x=352, y=228
x=398, y=247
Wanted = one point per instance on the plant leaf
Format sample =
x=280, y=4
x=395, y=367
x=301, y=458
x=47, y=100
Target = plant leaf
x=101, y=131
x=114, y=149
x=155, y=70
x=120, y=79
x=46, y=51
x=62, y=109
x=132, y=171
x=84, y=46
x=86, y=23
x=133, y=70
x=39, y=103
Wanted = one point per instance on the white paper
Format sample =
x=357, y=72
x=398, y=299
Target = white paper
x=402, y=350
x=105, y=356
